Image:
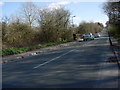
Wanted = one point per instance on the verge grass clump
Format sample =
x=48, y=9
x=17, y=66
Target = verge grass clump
x=11, y=51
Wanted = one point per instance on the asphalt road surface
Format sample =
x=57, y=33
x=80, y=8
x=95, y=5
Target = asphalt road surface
x=82, y=65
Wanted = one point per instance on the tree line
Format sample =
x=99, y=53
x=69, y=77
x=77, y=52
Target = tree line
x=35, y=25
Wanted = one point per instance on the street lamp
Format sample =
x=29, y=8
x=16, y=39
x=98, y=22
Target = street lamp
x=73, y=24
x=72, y=20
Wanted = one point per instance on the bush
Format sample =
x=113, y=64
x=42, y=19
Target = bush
x=18, y=35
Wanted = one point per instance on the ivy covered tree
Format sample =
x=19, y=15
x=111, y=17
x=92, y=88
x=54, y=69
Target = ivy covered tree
x=112, y=10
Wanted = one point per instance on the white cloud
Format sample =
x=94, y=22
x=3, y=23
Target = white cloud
x=63, y=3
x=73, y=1
x=53, y=6
x=1, y=3
x=101, y=21
x=76, y=1
x=76, y=18
x=58, y=4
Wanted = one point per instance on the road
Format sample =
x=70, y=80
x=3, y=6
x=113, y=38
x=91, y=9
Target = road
x=82, y=65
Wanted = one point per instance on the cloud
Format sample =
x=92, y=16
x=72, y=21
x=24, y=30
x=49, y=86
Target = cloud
x=101, y=21
x=73, y=1
x=77, y=1
x=58, y=4
x=63, y=3
x=53, y=6
x=1, y=3
x=76, y=18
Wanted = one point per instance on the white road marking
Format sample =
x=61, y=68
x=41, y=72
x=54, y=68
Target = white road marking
x=59, y=56
x=53, y=59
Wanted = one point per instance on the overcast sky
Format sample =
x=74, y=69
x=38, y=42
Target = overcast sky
x=83, y=11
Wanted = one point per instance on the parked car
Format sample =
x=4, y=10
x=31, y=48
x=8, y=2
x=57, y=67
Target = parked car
x=96, y=35
x=88, y=36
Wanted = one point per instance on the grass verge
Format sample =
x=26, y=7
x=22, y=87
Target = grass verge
x=11, y=51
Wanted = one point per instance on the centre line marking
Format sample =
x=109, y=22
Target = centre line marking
x=53, y=59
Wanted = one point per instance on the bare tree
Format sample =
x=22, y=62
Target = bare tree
x=28, y=13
